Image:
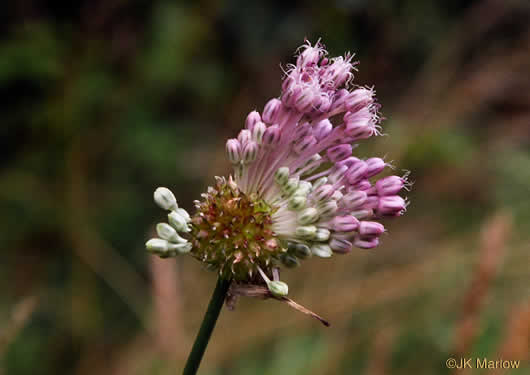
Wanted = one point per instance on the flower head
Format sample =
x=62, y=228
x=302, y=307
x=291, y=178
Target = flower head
x=296, y=189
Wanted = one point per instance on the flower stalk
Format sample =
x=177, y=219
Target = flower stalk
x=207, y=326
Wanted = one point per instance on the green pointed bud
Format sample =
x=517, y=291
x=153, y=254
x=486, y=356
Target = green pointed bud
x=308, y=216
x=300, y=250
x=318, y=183
x=306, y=231
x=322, y=235
x=289, y=261
x=296, y=202
x=178, y=222
x=291, y=185
x=321, y=250
x=165, y=199
x=281, y=176
x=278, y=288
x=167, y=232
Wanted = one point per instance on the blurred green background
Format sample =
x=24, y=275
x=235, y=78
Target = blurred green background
x=104, y=100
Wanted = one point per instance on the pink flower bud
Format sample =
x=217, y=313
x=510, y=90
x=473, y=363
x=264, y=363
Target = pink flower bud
x=358, y=99
x=233, y=150
x=338, y=173
x=309, y=56
x=354, y=199
x=346, y=223
x=349, y=161
x=252, y=118
x=271, y=111
x=339, y=152
x=356, y=171
x=250, y=152
x=370, y=228
x=304, y=143
x=302, y=130
x=375, y=166
x=390, y=185
x=359, y=124
x=340, y=246
x=322, y=129
x=372, y=202
x=323, y=193
x=271, y=137
x=392, y=205
x=258, y=131
x=244, y=136
x=366, y=242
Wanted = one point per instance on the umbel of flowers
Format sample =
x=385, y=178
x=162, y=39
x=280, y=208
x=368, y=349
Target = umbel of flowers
x=296, y=190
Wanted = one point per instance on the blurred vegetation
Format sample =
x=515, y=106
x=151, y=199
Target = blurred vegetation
x=102, y=101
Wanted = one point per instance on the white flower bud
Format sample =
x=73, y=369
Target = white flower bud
x=306, y=231
x=308, y=216
x=322, y=235
x=182, y=212
x=278, y=288
x=157, y=245
x=304, y=187
x=167, y=232
x=291, y=185
x=281, y=176
x=299, y=249
x=250, y=152
x=321, y=250
x=165, y=249
x=165, y=199
x=178, y=222
x=297, y=202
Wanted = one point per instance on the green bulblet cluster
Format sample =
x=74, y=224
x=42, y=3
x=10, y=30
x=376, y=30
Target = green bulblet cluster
x=232, y=232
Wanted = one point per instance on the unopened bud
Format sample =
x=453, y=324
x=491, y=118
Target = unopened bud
x=321, y=250
x=281, y=176
x=290, y=261
x=300, y=250
x=167, y=232
x=306, y=231
x=178, y=222
x=165, y=199
x=296, y=202
x=322, y=235
x=278, y=288
x=308, y=216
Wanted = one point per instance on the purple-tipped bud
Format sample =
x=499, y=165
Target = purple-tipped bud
x=257, y=131
x=233, y=150
x=339, y=71
x=356, y=171
x=250, y=152
x=390, y=185
x=271, y=137
x=354, y=199
x=375, y=166
x=304, y=143
x=358, y=99
x=392, y=205
x=366, y=242
x=322, y=129
x=346, y=223
x=244, y=136
x=371, y=228
x=252, y=119
x=340, y=246
x=339, y=99
x=339, y=152
x=323, y=193
x=271, y=111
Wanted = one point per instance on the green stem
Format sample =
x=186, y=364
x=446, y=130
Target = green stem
x=207, y=326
